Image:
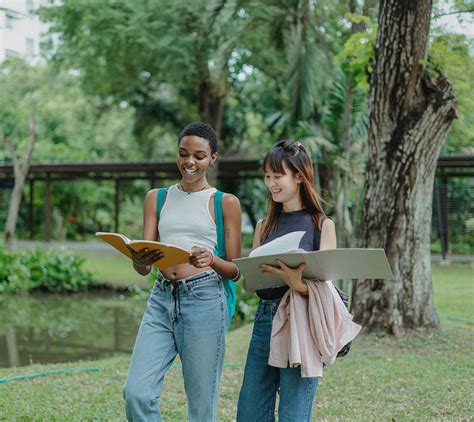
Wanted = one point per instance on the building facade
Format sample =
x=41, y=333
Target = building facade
x=20, y=29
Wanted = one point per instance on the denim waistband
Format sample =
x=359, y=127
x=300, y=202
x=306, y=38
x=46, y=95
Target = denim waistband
x=264, y=302
x=183, y=285
x=188, y=280
x=269, y=305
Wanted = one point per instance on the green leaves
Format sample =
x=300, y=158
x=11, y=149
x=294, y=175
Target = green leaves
x=450, y=55
x=37, y=269
x=304, y=61
x=358, y=52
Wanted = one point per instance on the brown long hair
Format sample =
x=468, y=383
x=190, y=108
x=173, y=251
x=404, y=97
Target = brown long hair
x=298, y=160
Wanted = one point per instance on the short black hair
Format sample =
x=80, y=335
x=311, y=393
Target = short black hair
x=203, y=130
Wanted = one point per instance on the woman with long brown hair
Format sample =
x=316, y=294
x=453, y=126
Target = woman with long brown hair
x=293, y=205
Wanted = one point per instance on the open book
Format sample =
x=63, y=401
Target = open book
x=172, y=255
x=331, y=264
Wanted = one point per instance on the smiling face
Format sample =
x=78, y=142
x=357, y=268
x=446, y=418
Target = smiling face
x=284, y=186
x=194, y=157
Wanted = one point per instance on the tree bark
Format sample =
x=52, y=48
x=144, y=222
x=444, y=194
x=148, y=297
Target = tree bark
x=217, y=114
x=410, y=114
x=20, y=170
x=203, y=98
x=343, y=217
x=211, y=106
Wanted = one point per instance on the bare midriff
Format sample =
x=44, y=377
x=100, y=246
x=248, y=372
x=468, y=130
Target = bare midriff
x=178, y=272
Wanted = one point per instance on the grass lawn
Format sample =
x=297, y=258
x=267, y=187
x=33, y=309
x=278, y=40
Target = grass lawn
x=425, y=377
x=112, y=268
x=454, y=291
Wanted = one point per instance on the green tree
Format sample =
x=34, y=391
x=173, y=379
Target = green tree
x=68, y=126
x=450, y=55
x=168, y=59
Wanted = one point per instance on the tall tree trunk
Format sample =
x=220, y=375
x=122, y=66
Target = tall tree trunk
x=211, y=106
x=203, y=101
x=409, y=116
x=21, y=170
x=217, y=113
x=344, y=220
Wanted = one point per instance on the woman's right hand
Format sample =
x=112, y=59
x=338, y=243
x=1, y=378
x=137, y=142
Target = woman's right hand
x=144, y=257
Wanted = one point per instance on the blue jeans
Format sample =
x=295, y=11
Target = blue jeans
x=189, y=318
x=262, y=381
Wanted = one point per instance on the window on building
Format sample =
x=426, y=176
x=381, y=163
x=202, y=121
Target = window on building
x=9, y=19
x=11, y=53
x=30, y=47
x=30, y=5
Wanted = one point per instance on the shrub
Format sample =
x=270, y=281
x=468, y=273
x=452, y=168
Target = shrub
x=246, y=306
x=55, y=270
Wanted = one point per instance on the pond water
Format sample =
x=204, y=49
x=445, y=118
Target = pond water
x=46, y=328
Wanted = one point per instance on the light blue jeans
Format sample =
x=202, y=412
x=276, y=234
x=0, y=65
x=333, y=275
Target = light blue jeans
x=262, y=381
x=189, y=318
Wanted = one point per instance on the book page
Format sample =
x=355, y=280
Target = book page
x=287, y=243
x=117, y=240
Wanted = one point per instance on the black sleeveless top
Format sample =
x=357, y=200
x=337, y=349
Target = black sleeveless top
x=291, y=222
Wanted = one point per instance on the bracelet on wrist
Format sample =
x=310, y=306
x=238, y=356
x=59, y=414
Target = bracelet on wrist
x=212, y=260
x=237, y=276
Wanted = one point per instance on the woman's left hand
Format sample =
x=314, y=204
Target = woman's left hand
x=291, y=276
x=200, y=257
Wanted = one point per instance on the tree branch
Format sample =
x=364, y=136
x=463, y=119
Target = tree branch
x=11, y=149
x=32, y=140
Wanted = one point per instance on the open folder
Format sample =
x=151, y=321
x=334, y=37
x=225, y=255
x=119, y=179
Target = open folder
x=331, y=264
x=171, y=255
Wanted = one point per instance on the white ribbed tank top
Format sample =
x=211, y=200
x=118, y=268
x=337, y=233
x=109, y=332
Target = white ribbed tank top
x=186, y=221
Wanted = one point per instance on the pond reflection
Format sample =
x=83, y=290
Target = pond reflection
x=55, y=328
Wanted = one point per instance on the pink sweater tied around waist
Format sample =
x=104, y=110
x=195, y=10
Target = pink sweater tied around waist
x=308, y=331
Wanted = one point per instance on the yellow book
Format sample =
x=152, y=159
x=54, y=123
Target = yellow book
x=171, y=255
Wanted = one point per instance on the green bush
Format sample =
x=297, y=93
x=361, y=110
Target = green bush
x=246, y=307
x=55, y=270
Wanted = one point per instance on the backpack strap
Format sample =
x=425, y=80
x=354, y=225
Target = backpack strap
x=160, y=201
x=229, y=286
x=220, y=248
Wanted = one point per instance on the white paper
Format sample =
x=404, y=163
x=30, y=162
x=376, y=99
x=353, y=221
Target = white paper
x=287, y=243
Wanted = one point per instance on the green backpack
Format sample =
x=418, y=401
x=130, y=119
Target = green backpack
x=229, y=285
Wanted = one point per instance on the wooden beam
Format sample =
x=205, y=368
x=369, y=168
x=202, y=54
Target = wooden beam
x=31, y=211
x=48, y=209
x=117, y=205
x=168, y=168
x=152, y=180
x=444, y=208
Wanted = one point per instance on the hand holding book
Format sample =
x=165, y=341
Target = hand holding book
x=147, y=252
x=145, y=257
x=201, y=257
x=291, y=276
